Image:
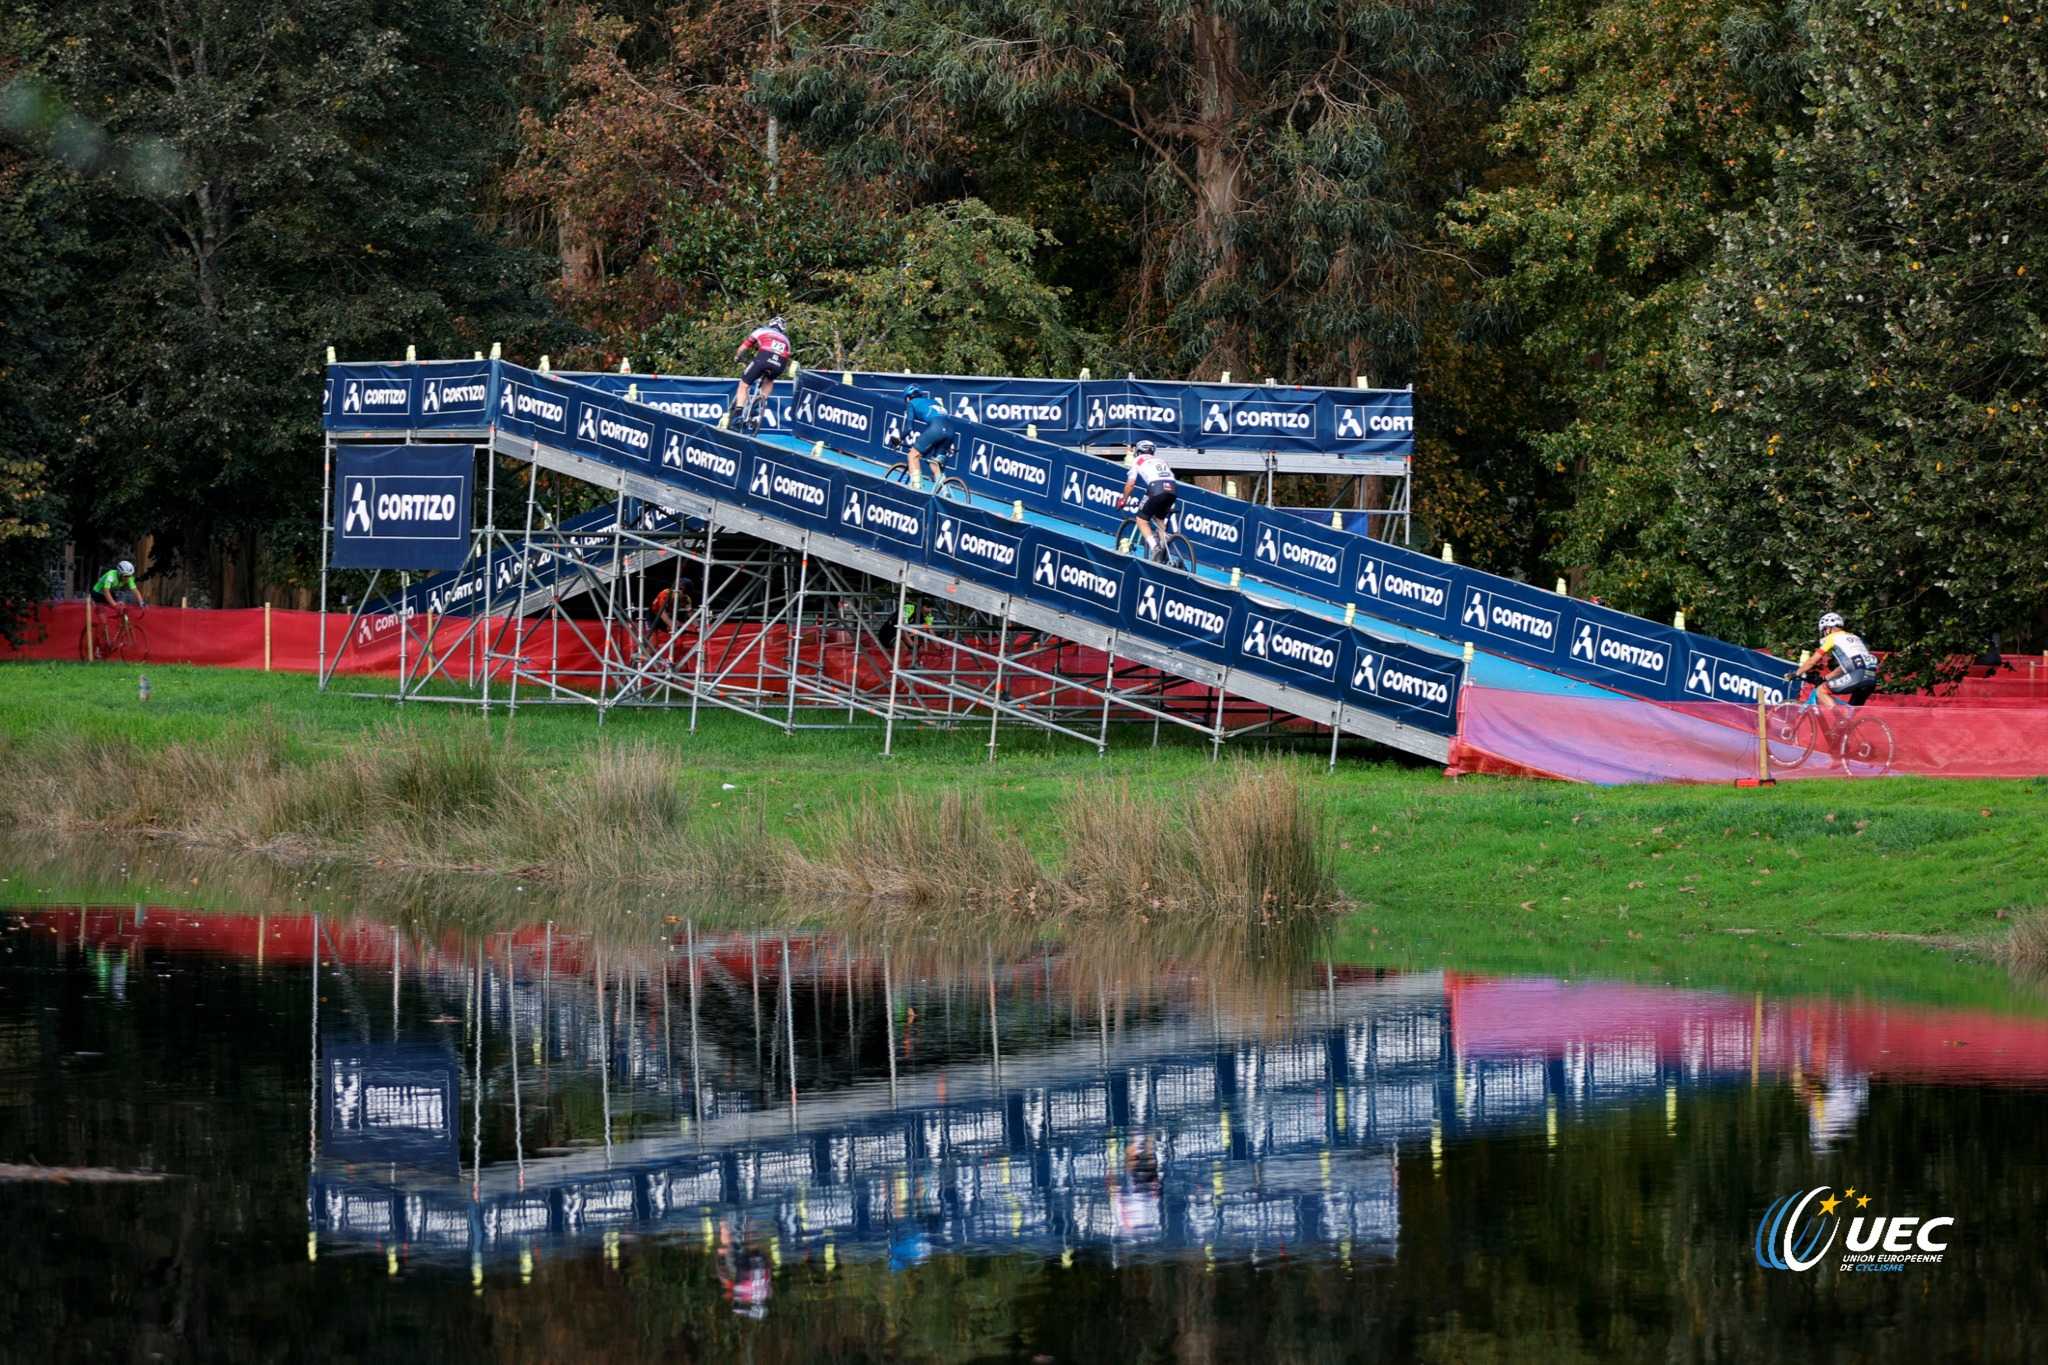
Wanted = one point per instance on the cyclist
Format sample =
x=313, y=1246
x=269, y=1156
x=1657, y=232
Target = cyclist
x=936, y=436
x=1843, y=667
x=116, y=587
x=1160, y=492
x=770, y=344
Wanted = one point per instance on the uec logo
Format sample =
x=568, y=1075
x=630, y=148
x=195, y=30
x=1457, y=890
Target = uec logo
x=1788, y=1237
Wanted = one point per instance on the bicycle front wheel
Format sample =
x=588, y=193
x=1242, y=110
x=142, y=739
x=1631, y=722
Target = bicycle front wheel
x=953, y=489
x=1129, y=539
x=1867, y=747
x=1796, y=737
x=136, y=647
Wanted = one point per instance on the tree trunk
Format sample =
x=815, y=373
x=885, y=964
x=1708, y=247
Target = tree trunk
x=579, y=253
x=1218, y=167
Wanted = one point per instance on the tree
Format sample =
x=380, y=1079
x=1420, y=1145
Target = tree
x=1279, y=164
x=948, y=288
x=1872, y=349
x=254, y=181
x=1643, y=121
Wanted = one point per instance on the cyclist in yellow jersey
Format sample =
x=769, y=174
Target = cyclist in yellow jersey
x=1843, y=666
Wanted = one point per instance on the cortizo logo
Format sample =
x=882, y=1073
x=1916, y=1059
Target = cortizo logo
x=1076, y=578
x=1189, y=616
x=1269, y=639
x=770, y=481
x=1220, y=530
x=680, y=453
x=1127, y=412
x=1618, y=651
x=880, y=514
x=1384, y=678
x=1001, y=411
x=1717, y=681
x=366, y=509
x=993, y=462
x=1386, y=583
x=1300, y=554
x=960, y=541
x=391, y=397
x=1085, y=490
x=1798, y=1230
x=523, y=404
x=1483, y=613
x=843, y=416
x=452, y=395
x=595, y=424
x=696, y=409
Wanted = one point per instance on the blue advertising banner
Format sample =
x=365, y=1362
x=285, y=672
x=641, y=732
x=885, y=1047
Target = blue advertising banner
x=976, y=544
x=445, y=394
x=402, y=507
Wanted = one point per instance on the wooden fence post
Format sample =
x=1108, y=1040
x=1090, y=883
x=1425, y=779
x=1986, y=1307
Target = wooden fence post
x=266, y=637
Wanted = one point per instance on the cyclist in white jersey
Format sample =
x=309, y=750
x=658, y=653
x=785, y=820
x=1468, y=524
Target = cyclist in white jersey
x=1160, y=492
x=1843, y=665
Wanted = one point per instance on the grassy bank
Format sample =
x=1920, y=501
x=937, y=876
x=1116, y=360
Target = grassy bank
x=1795, y=883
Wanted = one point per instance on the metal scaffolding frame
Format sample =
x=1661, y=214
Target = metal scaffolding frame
x=790, y=637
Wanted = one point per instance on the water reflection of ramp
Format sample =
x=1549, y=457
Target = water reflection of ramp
x=1280, y=1146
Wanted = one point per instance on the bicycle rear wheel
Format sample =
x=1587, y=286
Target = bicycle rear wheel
x=1867, y=747
x=953, y=489
x=1177, y=553
x=86, y=647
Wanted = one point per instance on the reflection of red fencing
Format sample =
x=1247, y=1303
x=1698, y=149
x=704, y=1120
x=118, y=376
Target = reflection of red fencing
x=1612, y=740
x=1721, y=1033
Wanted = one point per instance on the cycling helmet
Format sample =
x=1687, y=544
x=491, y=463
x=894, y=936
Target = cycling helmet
x=1831, y=621
x=1145, y=448
x=915, y=392
x=777, y=323
x=126, y=568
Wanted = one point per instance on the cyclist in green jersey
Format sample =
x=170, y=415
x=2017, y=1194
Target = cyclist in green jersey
x=116, y=587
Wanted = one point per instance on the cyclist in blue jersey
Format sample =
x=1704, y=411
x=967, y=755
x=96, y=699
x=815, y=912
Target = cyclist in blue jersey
x=937, y=435
x=1160, y=492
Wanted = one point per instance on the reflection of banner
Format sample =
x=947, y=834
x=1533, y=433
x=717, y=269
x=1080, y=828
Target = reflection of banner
x=390, y=1103
x=402, y=507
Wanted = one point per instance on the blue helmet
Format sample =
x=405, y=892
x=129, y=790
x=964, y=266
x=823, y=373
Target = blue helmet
x=915, y=392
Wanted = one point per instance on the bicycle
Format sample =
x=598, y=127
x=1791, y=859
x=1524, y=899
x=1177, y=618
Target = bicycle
x=1863, y=743
x=120, y=636
x=945, y=485
x=1174, y=551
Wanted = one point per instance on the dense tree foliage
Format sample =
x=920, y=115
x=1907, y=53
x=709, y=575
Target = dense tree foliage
x=1717, y=304
x=1871, y=347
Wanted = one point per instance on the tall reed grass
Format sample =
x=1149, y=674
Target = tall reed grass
x=1251, y=841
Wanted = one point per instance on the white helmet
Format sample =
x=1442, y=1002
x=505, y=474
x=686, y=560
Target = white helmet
x=1831, y=621
x=127, y=569
x=777, y=323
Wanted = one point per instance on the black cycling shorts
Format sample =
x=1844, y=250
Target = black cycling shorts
x=1158, y=501
x=764, y=365
x=1855, y=687
x=936, y=436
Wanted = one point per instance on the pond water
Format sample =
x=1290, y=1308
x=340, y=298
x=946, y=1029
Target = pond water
x=382, y=1138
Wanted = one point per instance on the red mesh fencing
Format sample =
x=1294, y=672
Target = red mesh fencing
x=1614, y=739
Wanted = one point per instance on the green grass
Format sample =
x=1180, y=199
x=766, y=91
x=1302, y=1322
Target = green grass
x=1780, y=887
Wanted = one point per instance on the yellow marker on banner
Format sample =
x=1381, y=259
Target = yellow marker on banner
x=1230, y=488
x=625, y=365
x=1550, y=1121
x=1016, y=509
x=1678, y=619
x=526, y=1265
x=1562, y=591
x=330, y=355
x=818, y=449
x=831, y=1258
x=1468, y=651
x=775, y=1251
x=312, y=1246
x=1436, y=1148
x=411, y=355
x=1671, y=1110
x=390, y=1260
x=497, y=350
x=632, y=393
x=1236, y=575
x=710, y=1236
x=1336, y=521
x=1350, y=613
x=1447, y=553
x=476, y=1271
x=1031, y=430
x=1225, y=379
x=543, y=364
